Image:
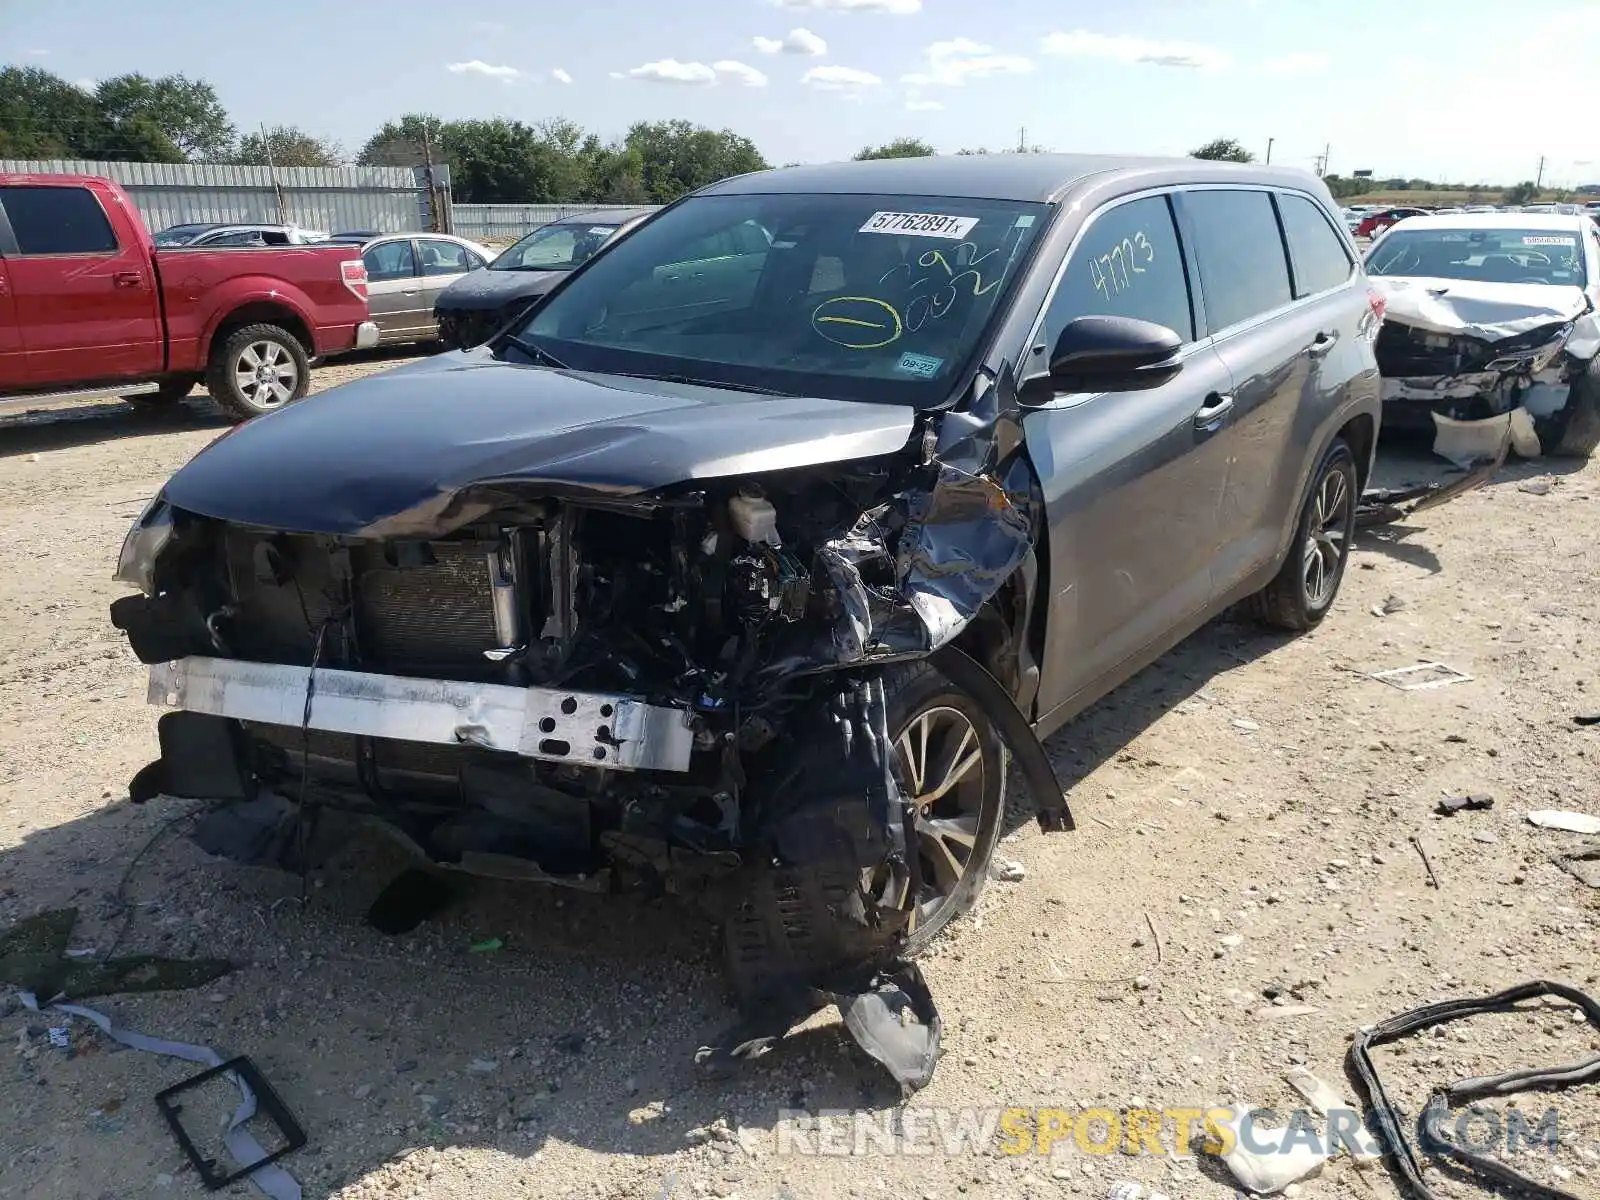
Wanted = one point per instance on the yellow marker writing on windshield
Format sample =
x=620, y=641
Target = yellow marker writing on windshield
x=858, y=322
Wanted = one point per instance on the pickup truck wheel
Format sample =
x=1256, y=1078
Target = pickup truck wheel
x=1574, y=432
x=1304, y=589
x=257, y=369
x=172, y=390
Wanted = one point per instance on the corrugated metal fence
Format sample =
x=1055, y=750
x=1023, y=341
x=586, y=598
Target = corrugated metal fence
x=499, y=222
x=388, y=199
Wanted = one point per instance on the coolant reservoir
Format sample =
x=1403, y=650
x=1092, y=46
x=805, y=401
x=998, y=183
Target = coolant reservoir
x=753, y=518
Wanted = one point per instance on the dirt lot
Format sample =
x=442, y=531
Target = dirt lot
x=1245, y=810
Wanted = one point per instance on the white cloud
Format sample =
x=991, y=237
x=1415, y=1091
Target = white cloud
x=670, y=70
x=560, y=76
x=798, y=41
x=1295, y=64
x=488, y=71
x=898, y=8
x=923, y=106
x=1082, y=44
x=952, y=63
x=738, y=72
x=840, y=79
x=696, y=74
x=38, y=53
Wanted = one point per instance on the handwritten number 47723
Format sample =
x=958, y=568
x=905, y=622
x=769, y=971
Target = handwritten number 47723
x=1112, y=273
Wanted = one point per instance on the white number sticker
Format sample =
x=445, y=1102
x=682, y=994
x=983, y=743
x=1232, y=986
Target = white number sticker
x=1541, y=240
x=937, y=225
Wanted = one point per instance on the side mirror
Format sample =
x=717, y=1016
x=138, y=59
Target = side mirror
x=1113, y=354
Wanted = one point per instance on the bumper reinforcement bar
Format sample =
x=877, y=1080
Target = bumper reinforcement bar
x=583, y=728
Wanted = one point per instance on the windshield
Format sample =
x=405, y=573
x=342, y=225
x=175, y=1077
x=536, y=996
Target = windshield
x=177, y=235
x=847, y=296
x=1486, y=255
x=554, y=248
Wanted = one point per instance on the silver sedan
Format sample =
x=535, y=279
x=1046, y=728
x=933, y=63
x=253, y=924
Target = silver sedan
x=405, y=274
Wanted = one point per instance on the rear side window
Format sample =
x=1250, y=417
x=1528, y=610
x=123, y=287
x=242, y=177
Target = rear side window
x=444, y=258
x=58, y=220
x=1318, y=253
x=1243, y=270
x=1128, y=263
x=390, y=260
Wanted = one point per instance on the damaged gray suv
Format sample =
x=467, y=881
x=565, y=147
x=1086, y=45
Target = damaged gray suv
x=741, y=568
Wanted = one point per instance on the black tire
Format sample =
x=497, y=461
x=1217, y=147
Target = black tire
x=1574, y=432
x=172, y=391
x=918, y=691
x=279, y=352
x=1303, y=592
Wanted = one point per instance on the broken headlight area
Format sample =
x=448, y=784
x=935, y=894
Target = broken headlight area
x=679, y=693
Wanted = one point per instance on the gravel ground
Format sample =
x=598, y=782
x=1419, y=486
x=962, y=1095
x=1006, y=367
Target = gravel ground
x=1241, y=896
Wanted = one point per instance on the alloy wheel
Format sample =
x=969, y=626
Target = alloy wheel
x=1325, y=538
x=266, y=374
x=942, y=768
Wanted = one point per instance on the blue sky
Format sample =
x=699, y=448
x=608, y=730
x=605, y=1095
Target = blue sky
x=1419, y=87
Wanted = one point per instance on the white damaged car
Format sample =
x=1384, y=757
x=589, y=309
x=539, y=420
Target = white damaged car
x=1488, y=314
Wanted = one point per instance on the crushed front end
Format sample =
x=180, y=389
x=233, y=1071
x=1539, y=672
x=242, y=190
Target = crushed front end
x=680, y=690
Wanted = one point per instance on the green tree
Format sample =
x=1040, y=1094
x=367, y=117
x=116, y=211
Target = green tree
x=678, y=157
x=613, y=174
x=1525, y=192
x=903, y=147
x=288, y=146
x=186, y=112
x=1223, y=150
x=44, y=116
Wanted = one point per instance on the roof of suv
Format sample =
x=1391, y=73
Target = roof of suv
x=1027, y=177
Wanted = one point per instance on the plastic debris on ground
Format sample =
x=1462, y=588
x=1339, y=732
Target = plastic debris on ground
x=486, y=946
x=1282, y=1161
x=1451, y=805
x=1567, y=822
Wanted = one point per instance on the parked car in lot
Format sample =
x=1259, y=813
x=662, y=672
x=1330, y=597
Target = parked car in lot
x=89, y=307
x=756, y=562
x=471, y=309
x=1375, y=223
x=1490, y=312
x=219, y=235
x=407, y=272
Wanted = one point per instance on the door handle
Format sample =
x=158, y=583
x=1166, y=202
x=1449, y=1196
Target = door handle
x=409, y=291
x=1210, y=414
x=127, y=279
x=1322, y=343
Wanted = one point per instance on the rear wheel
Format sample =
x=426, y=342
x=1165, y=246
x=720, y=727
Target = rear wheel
x=1304, y=589
x=258, y=369
x=953, y=768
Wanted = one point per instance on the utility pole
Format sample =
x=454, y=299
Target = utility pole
x=1022, y=140
x=433, y=192
x=272, y=172
x=1539, y=180
x=1269, y=150
x=1327, y=153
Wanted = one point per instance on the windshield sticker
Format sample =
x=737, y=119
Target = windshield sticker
x=602, y=230
x=923, y=366
x=937, y=225
x=858, y=322
x=1542, y=240
x=1113, y=272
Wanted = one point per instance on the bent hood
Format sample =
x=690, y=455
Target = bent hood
x=1489, y=311
x=489, y=289
x=397, y=454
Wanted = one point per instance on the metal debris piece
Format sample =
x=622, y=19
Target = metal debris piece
x=259, y=1097
x=1451, y=805
x=1426, y=861
x=1420, y=676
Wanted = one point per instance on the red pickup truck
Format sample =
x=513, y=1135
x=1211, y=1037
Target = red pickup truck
x=90, y=308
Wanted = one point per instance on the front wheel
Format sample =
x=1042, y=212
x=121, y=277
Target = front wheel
x=258, y=369
x=1574, y=431
x=1304, y=589
x=953, y=768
